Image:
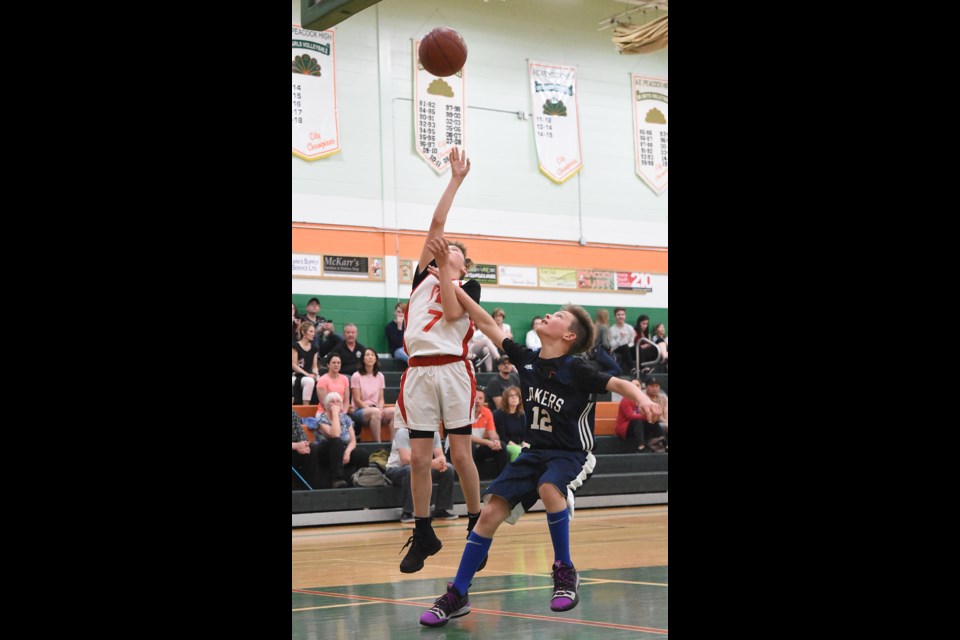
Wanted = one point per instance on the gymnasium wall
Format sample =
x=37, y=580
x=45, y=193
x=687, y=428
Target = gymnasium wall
x=376, y=196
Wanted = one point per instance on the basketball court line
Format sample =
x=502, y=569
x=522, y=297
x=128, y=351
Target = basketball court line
x=494, y=612
x=579, y=516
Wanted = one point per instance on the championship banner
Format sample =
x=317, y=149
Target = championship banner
x=650, y=130
x=556, y=120
x=439, y=113
x=316, y=126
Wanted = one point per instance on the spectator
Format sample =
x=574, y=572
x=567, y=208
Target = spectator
x=656, y=432
x=630, y=420
x=398, y=471
x=481, y=348
x=505, y=377
x=332, y=380
x=533, y=340
x=367, y=387
x=349, y=350
x=336, y=442
x=394, y=331
x=622, y=337
x=660, y=339
x=305, y=458
x=487, y=442
x=603, y=330
x=648, y=352
x=325, y=339
x=296, y=323
x=511, y=421
x=305, y=372
x=499, y=315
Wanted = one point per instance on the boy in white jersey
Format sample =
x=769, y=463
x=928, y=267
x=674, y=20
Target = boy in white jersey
x=438, y=385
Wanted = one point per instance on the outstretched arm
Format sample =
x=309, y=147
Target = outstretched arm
x=650, y=409
x=459, y=168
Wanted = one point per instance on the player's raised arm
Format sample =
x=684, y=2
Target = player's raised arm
x=459, y=168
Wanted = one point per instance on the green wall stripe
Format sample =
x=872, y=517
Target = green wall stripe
x=372, y=314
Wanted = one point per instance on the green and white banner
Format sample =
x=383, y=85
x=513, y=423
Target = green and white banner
x=650, y=130
x=316, y=126
x=556, y=120
x=439, y=114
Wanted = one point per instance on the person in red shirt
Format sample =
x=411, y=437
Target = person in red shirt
x=630, y=420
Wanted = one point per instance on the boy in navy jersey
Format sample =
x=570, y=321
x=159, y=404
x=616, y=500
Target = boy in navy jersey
x=557, y=390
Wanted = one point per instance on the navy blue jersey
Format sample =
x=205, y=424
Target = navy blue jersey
x=556, y=398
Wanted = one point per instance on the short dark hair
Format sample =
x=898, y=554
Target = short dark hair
x=650, y=381
x=619, y=309
x=582, y=325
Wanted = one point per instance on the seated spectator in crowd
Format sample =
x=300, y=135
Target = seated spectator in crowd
x=336, y=442
x=394, y=331
x=656, y=433
x=660, y=339
x=622, y=337
x=648, y=352
x=349, y=350
x=630, y=420
x=483, y=349
x=511, y=421
x=398, y=471
x=367, y=387
x=305, y=458
x=506, y=377
x=486, y=440
x=332, y=380
x=533, y=340
x=499, y=315
x=324, y=339
x=296, y=324
x=602, y=326
x=305, y=372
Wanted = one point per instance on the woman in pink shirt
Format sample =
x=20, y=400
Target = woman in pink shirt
x=367, y=386
x=332, y=381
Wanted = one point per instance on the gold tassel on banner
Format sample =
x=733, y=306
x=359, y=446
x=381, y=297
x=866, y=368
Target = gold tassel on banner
x=631, y=38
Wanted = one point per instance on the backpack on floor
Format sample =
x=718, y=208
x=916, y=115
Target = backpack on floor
x=369, y=477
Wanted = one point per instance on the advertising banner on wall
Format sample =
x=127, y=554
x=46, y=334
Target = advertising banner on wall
x=556, y=120
x=649, y=97
x=316, y=125
x=439, y=113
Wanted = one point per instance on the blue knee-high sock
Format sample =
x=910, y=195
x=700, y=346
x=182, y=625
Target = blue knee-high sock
x=473, y=554
x=559, y=524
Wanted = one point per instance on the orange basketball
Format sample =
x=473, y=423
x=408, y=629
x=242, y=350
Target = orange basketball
x=443, y=52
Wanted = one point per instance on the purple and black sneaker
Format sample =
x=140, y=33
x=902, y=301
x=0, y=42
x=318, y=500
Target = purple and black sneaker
x=565, y=583
x=449, y=605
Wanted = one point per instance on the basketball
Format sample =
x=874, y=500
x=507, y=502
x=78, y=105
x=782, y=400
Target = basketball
x=443, y=52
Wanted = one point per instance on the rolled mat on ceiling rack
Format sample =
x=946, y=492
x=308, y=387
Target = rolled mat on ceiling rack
x=631, y=38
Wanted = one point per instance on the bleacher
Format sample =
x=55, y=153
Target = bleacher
x=622, y=476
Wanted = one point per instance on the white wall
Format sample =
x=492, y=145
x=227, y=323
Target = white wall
x=378, y=180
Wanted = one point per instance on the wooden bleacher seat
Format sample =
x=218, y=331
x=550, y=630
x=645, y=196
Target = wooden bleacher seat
x=605, y=418
x=310, y=411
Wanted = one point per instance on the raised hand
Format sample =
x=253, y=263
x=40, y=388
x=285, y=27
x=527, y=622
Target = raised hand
x=459, y=164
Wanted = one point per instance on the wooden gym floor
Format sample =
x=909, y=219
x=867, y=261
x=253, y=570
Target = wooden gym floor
x=347, y=581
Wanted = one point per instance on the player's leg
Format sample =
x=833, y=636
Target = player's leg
x=424, y=542
x=564, y=469
x=456, y=602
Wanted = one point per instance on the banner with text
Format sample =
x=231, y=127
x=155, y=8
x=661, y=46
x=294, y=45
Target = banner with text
x=316, y=125
x=439, y=113
x=649, y=96
x=556, y=120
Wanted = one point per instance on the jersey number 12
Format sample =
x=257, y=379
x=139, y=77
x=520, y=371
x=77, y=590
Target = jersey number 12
x=541, y=420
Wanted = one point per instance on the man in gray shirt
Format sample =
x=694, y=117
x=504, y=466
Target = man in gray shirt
x=506, y=377
x=398, y=471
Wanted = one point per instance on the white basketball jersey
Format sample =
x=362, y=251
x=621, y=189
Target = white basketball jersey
x=427, y=333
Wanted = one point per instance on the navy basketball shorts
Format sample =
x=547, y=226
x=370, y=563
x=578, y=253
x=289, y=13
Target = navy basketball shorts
x=519, y=481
